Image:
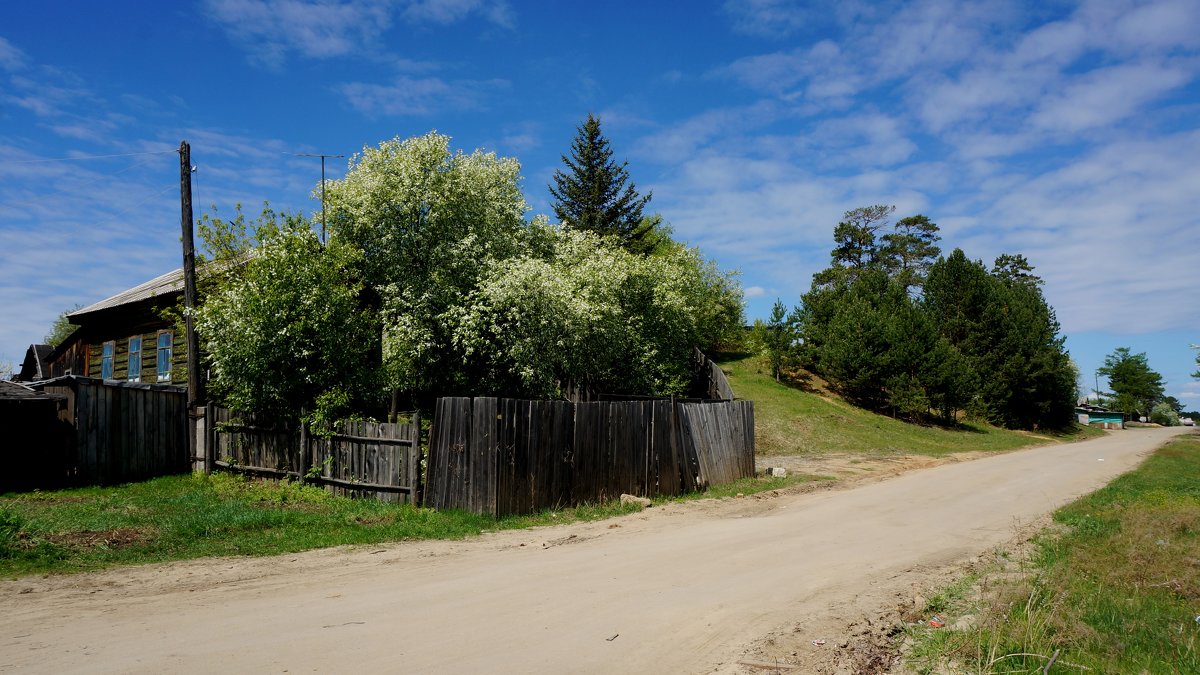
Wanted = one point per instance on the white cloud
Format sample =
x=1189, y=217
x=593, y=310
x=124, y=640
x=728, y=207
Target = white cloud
x=272, y=30
x=771, y=17
x=11, y=58
x=755, y=292
x=451, y=11
x=417, y=96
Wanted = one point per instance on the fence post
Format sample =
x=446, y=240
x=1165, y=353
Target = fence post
x=210, y=444
x=418, y=495
x=304, y=454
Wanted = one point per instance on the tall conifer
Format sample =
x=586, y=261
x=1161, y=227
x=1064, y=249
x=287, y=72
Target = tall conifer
x=595, y=193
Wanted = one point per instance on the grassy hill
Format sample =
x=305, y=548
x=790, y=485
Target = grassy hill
x=801, y=417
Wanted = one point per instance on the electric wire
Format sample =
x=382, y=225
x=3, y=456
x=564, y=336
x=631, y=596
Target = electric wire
x=85, y=157
x=76, y=191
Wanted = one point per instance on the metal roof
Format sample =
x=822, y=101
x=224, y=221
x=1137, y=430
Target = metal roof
x=169, y=283
x=10, y=391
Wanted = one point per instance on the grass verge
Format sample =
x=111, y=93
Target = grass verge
x=791, y=420
x=184, y=517
x=1117, y=591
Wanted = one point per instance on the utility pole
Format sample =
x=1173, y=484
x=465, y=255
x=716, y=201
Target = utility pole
x=197, y=430
x=195, y=386
x=302, y=154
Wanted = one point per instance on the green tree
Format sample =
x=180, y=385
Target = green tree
x=857, y=246
x=1162, y=413
x=910, y=249
x=1014, y=270
x=595, y=194
x=1134, y=385
x=61, y=329
x=589, y=312
x=430, y=223
x=1010, y=337
x=777, y=338
x=289, y=331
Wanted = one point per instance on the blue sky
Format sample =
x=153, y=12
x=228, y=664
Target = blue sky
x=1068, y=132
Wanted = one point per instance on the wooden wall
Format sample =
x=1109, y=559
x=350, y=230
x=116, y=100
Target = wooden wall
x=122, y=431
x=503, y=456
x=149, y=370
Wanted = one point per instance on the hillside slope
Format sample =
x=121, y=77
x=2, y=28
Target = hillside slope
x=791, y=420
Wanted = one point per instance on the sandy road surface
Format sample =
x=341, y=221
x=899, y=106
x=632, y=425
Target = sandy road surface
x=678, y=589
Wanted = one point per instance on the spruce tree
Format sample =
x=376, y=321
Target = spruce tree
x=595, y=193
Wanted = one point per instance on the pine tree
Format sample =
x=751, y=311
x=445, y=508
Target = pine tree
x=593, y=195
x=910, y=249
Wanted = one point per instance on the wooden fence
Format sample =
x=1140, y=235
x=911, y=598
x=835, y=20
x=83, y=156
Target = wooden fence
x=504, y=456
x=373, y=459
x=118, y=431
x=710, y=382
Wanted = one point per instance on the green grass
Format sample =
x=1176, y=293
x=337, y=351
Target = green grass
x=790, y=420
x=182, y=517
x=1118, y=592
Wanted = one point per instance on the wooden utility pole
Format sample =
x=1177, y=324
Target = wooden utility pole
x=301, y=154
x=195, y=386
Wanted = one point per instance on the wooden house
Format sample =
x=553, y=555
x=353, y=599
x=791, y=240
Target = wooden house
x=126, y=337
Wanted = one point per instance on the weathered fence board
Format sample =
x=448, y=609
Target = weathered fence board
x=117, y=432
x=710, y=379
x=505, y=456
x=360, y=459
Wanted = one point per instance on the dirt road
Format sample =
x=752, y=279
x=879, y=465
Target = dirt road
x=685, y=588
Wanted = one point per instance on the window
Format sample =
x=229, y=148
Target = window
x=106, y=360
x=165, y=339
x=135, y=359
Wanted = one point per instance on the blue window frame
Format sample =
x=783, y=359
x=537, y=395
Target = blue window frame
x=135, y=359
x=165, y=341
x=106, y=360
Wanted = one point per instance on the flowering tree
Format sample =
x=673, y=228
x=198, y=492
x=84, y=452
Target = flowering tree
x=433, y=283
x=590, y=311
x=429, y=222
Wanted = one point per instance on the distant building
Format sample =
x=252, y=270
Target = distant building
x=1097, y=416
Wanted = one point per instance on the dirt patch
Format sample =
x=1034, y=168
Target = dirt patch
x=120, y=537
x=869, y=634
x=853, y=469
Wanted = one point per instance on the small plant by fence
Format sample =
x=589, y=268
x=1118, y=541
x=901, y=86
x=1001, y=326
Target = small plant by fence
x=373, y=459
x=503, y=456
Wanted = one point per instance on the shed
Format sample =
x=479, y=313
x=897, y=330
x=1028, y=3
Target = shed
x=1097, y=416
x=34, y=440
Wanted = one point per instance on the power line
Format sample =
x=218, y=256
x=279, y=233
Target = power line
x=86, y=157
x=75, y=191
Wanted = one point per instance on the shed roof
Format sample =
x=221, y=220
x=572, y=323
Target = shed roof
x=12, y=391
x=171, y=282
x=36, y=363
